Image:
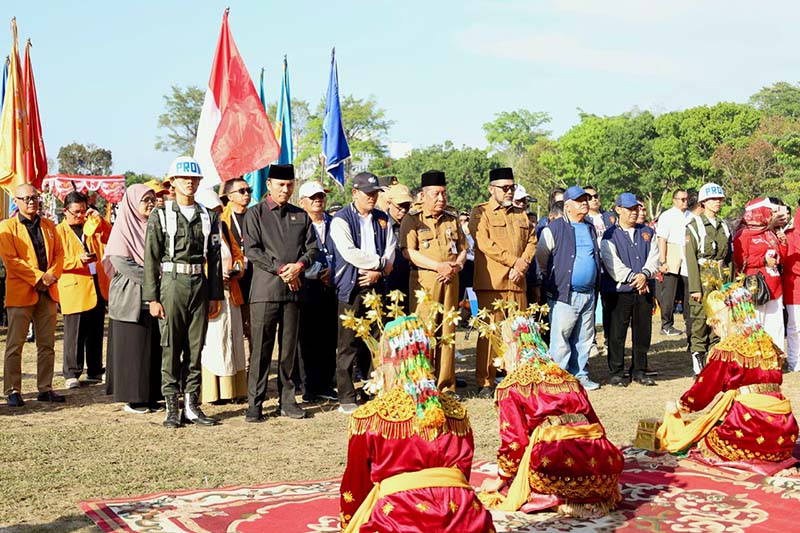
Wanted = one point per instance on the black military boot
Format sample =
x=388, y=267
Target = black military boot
x=193, y=413
x=173, y=418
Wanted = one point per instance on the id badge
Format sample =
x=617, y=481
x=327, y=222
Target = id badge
x=453, y=248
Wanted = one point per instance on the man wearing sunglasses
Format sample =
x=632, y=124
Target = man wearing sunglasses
x=504, y=248
x=34, y=259
x=83, y=289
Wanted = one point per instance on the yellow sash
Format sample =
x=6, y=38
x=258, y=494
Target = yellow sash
x=520, y=488
x=421, y=479
x=674, y=435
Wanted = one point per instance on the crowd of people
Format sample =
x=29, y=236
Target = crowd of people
x=198, y=285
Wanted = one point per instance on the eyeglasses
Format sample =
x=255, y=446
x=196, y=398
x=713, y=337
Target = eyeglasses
x=593, y=196
x=244, y=190
x=76, y=214
x=28, y=199
x=505, y=188
x=148, y=200
x=402, y=207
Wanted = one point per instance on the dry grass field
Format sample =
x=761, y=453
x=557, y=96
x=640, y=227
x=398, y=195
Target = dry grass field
x=55, y=455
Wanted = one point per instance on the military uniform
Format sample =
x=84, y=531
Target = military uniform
x=192, y=275
x=440, y=239
x=502, y=234
x=708, y=251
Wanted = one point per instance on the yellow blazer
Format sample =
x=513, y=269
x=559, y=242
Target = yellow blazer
x=22, y=269
x=76, y=284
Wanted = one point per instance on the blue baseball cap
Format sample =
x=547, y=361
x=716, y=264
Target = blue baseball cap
x=574, y=192
x=627, y=200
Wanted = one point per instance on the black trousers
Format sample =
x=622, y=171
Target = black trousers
x=669, y=290
x=83, y=341
x=628, y=309
x=266, y=320
x=318, y=337
x=351, y=349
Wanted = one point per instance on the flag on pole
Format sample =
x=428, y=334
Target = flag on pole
x=14, y=136
x=36, y=158
x=5, y=77
x=234, y=135
x=334, y=143
x=257, y=179
x=283, y=120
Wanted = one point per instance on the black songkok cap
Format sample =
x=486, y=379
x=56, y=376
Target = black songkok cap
x=433, y=178
x=503, y=173
x=281, y=172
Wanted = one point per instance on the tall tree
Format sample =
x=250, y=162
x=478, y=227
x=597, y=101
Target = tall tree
x=88, y=160
x=516, y=131
x=779, y=99
x=180, y=119
x=365, y=125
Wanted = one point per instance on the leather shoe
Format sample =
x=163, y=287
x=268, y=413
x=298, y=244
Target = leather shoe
x=50, y=396
x=254, y=418
x=618, y=381
x=15, y=400
x=292, y=410
x=461, y=383
x=647, y=381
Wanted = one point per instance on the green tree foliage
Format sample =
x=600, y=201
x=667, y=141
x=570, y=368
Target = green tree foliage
x=87, y=160
x=467, y=171
x=301, y=113
x=365, y=126
x=781, y=99
x=133, y=177
x=515, y=131
x=180, y=119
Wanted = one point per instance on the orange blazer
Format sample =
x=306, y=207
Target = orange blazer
x=22, y=269
x=76, y=284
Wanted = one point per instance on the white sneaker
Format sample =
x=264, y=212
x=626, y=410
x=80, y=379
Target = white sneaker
x=135, y=410
x=72, y=383
x=347, y=408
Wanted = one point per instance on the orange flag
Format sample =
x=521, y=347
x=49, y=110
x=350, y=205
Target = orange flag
x=14, y=135
x=36, y=158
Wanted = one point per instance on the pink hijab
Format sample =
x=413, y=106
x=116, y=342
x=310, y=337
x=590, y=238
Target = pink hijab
x=127, y=235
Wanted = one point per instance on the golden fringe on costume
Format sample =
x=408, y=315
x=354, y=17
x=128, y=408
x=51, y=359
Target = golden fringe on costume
x=393, y=416
x=714, y=447
x=749, y=353
x=529, y=379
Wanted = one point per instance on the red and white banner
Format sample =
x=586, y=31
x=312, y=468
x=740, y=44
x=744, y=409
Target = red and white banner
x=112, y=188
x=234, y=135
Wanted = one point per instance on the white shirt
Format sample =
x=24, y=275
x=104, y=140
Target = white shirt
x=364, y=257
x=187, y=211
x=672, y=226
x=319, y=227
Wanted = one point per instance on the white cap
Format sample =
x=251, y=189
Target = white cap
x=184, y=166
x=208, y=198
x=310, y=188
x=520, y=193
x=710, y=190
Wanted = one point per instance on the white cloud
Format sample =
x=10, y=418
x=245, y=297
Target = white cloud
x=567, y=51
x=628, y=10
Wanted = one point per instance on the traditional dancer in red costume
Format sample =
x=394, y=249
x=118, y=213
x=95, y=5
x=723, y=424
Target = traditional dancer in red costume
x=553, y=450
x=410, y=450
x=751, y=425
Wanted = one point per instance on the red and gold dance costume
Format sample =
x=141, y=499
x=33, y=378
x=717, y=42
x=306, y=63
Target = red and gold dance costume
x=553, y=449
x=410, y=450
x=752, y=423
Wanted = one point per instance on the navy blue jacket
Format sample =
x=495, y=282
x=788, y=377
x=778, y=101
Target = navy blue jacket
x=556, y=264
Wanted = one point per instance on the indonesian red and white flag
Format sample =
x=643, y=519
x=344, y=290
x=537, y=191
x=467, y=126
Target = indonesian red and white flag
x=234, y=135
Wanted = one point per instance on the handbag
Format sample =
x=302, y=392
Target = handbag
x=757, y=286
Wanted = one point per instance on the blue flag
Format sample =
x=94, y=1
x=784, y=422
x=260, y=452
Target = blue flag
x=283, y=120
x=334, y=143
x=257, y=180
x=5, y=77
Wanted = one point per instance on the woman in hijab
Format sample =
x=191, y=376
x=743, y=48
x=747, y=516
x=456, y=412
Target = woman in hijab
x=757, y=248
x=134, y=341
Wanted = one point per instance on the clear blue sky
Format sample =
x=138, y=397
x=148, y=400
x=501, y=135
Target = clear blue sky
x=439, y=68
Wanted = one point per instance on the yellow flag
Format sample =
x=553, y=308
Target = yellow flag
x=14, y=138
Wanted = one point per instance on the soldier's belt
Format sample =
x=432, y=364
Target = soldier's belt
x=182, y=268
x=759, y=388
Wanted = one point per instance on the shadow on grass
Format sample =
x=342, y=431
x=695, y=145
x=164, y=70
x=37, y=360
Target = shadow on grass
x=62, y=524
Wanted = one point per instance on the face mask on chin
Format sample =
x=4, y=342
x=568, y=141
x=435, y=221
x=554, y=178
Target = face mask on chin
x=181, y=187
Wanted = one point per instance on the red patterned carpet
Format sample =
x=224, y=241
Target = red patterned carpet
x=660, y=493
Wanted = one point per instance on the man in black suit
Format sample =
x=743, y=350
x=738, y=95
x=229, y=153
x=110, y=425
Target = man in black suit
x=280, y=242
